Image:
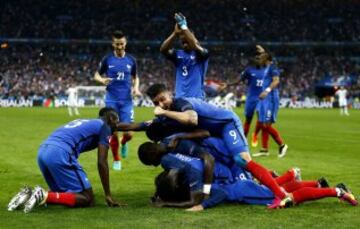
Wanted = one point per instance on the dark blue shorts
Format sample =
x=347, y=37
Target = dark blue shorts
x=125, y=110
x=61, y=170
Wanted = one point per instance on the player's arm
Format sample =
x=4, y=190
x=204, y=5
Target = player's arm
x=195, y=198
x=102, y=68
x=135, y=79
x=166, y=46
x=189, y=36
x=188, y=117
x=103, y=169
x=217, y=196
x=274, y=83
x=197, y=133
x=141, y=126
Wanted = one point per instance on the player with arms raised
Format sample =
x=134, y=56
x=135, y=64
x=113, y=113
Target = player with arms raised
x=120, y=77
x=191, y=61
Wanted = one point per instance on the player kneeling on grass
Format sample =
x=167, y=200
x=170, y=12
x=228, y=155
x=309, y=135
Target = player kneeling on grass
x=58, y=162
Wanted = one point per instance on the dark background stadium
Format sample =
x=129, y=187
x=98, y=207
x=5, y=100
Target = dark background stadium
x=47, y=46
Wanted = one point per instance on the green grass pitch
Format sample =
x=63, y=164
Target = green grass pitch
x=321, y=143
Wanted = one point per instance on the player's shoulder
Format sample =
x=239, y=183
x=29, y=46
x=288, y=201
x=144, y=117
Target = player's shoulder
x=107, y=56
x=131, y=57
x=182, y=104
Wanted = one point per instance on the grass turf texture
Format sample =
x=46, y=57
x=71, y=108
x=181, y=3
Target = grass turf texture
x=321, y=143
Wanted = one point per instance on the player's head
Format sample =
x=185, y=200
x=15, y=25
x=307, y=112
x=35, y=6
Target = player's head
x=171, y=186
x=262, y=56
x=156, y=131
x=109, y=116
x=160, y=96
x=118, y=41
x=150, y=153
x=184, y=43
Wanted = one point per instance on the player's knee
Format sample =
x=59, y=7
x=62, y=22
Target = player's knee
x=86, y=199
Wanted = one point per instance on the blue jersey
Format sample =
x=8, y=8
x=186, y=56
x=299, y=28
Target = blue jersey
x=191, y=69
x=243, y=191
x=210, y=117
x=214, y=146
x=193, y=169
x=80, y=135
x=255, y=79
x=120, y=70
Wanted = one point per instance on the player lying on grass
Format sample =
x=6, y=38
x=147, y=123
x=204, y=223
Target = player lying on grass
x=183, y=174
x=219, y=122
x=58, y=162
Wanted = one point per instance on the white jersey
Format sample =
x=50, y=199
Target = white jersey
x=341, y=93
x=72, y=96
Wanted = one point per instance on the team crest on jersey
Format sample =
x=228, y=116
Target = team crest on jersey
x=192, y=57
x=128, y=66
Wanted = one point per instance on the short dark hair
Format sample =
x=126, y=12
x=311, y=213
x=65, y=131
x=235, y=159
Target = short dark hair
x=105, y=110
x=171, y=186
x=156, y=131
x=155, y=89
x=118, y=34
x=148, y=153
x=109, y=116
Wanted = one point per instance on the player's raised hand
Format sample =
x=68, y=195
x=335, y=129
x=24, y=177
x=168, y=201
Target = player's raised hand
x=158, y=111
x=259, y=49
x=195, y=208
x=180, y=20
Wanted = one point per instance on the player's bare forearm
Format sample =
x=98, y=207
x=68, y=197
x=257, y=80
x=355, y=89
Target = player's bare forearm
x=189, y=117
x=167, y=44
x=103, y=168
x=120, y=126
x=195, y=198
x=198, y=133
x=191, y=39
x=275, y=82
x=209, y=164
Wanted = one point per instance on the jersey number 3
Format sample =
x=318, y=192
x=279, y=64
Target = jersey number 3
x=184, y=71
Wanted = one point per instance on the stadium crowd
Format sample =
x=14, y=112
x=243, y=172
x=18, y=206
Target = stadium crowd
x=149, y=20
x=45, y=71
x=48, y=69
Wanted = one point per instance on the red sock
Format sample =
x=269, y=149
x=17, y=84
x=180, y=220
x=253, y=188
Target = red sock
x=125, y=138
x=306, y=194
x=63, y=198
x=114, y=146
x=285, y=178
x=275, y=135
x=295, y=185
x=246, y=128
x=264, y=177
x=265, y=138
x=257, y=128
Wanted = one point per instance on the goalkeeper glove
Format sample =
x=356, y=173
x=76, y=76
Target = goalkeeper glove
x=181, y=21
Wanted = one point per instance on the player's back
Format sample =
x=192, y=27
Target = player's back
x=78, y=136
x=210, y=117
x=193, y=168
x=190, y=74
x=120, y=70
